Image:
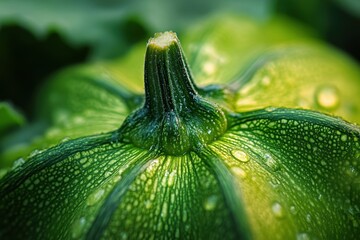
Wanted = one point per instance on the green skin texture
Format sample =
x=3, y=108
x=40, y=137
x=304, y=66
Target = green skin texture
x=274, y=173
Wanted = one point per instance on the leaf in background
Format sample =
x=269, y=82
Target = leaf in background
x=26, y=61
x=175, y=15
x=110, y=27
x=352, y=6
x=9, y=117
x=83, y=22
x=335, y=20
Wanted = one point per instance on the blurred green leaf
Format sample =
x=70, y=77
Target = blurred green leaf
x=26, y=61
x=80, y=22
x=352, y=6
x=336, y=21
x=9, y=117
x=110, y=26
x=174, y=15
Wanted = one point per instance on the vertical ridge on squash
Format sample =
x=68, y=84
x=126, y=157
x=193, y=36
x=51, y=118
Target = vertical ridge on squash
x=231, y=191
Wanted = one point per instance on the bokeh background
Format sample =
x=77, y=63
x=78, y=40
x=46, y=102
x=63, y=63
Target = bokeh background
x=39, y=37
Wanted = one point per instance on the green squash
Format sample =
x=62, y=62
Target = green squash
x=240, y=155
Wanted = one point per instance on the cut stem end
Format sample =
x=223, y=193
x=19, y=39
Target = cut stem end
x=163, y=40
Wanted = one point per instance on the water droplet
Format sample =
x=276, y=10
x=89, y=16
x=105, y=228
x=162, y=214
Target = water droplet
x=164, y=210
x=239, y=172
x=62, y=115
x=33, y=153
x=210, y=203
x=153, y=165
x=79, y=120
x=265, y=81
x=244, y=126
x=270, y=162
x=164, y=181
x=303, y=103
x=270, y=109
x=184, y=216
x=65, y=140
x=284, y=121
x=240, y=155
x=123, y=235
x=53, y=132
x=302, y=236
x=171, y=178
x=293, y=210
x=78, y=227
x=18, y=163
x=209, y=67
x=148, y=204
x=95, y=197
x=308, y=218
x=177, y=233
x=277, y=209
x=159, y=225
x=327, y=97
x=320, y=197
x=272, y=125
x=107, y=174
x=275, y=183
x=351, y=172
x=343, y=138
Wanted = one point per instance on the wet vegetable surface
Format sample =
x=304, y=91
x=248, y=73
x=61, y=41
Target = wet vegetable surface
x=191, y=162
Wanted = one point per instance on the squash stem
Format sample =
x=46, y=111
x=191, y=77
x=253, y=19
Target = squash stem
x=175, y=119
x=168, y=82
